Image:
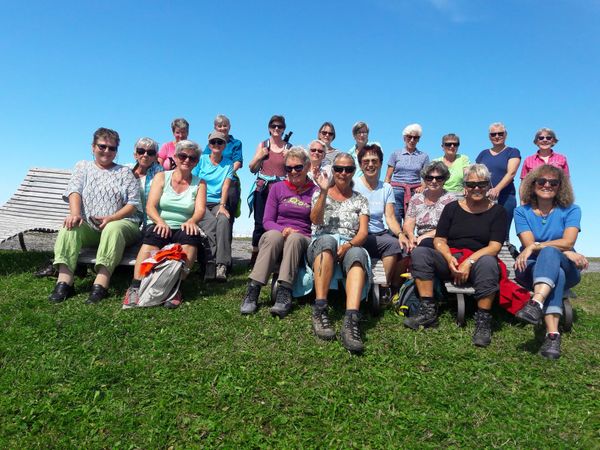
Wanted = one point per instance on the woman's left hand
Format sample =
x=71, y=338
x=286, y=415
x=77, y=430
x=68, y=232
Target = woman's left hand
x=580, y=261
x=190, y=227
x=103, y=221
x=493, y=193
x=521, y=261
x=342, y=249
x=223, y=210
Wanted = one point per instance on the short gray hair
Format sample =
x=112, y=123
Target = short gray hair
x=297, y=152
x=221, y=119
x=147, y=143
x=357, y=126
x=436, y=166
x=411, y=129
x=187, y=145
x=479, y=170
x=344, y=155
x=496, y=125
x=550, y=131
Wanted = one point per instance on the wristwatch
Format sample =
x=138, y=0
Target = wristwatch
x=471, y=261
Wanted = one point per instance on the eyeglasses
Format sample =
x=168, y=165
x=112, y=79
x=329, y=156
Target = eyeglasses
x=183, y=156
x=497, y=134
x=216, y=142
x=476, y=184
x=412, y=138
x=317, y=150
x=143, y=151
x=297, y=168
x=366, y=162
x=434, y=177
x=105, y=147
x=542, y=182
x=347, y=169
x=276, y=126
x=362, y=133
x=545, y=138
x=451, y=144
x=327, y=133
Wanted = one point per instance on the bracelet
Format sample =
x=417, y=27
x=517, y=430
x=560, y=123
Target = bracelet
x=350, y=242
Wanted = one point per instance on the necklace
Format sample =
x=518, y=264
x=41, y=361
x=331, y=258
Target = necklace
x=545, y=216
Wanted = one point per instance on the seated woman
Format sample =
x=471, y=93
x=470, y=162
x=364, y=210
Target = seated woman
x=455, y=163
x=468, y=237
x=175, y=206
x=287, y=221
x=216, y=223
x=104, y=210
x=380, y=243
x=146, y=166
x=425, y=208
x=341, y=223
x=181, y=129
x=547, y=225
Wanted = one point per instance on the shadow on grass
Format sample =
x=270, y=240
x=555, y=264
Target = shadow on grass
x=13, y=262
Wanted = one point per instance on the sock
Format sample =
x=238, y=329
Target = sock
x=349, y=312
x=136, y=283
x=320, y=303
x=540, y=304
x=555, y=333
x=427, y=299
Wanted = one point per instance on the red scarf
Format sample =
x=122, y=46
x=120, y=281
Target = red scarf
x=298, y=189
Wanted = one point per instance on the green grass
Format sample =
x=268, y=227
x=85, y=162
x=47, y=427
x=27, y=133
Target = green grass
x=73, y=375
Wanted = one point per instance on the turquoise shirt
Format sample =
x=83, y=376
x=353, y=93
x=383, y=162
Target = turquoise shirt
x=214, y=176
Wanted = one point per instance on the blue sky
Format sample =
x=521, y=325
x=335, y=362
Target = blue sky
x=450, y=65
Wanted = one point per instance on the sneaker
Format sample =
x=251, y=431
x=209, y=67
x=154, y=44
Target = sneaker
x=221, y=274
x=283, y=302
x=482, y=337
x=250, y=302
x=61, y=292
x=426, y=316
x=351, y=334
x=132, y=298
x=321, y=324
x=175, y=302
x=530, y=313
x=97, y=294
x=551, y=347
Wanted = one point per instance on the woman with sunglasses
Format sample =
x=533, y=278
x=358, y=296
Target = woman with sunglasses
x=468, y=238
x=425, y=208
x=547, y=224
x=146, y=166
x=104, y=211
x=340, y=217
x=287, y=221
x=175, y=205
x=404, y=168
x=380, y=242
x=216, y=223
x=268, y=165
x=545, y=139
x=327, y=135
x=455, y=163
x=316, y=153
x=502, y=162
x=181, y=129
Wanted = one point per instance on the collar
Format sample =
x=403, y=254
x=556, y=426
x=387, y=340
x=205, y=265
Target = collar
x=298, y=190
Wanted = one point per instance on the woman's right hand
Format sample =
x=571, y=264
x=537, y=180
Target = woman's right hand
x=162, y=229
x=323, y=181
x=72, y=221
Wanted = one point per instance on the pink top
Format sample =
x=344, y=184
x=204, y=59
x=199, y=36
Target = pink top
x=167, y=150
x=555, y=159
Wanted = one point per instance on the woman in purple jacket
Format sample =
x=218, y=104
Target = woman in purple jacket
x=288, y=228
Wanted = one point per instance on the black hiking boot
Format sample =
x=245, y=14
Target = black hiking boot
x=321, y=324
x=550, y=349
x=426, y=316
x=250, y=302
x=351, y=334
x=530, y=313
x=283, y=302
x=482, y=337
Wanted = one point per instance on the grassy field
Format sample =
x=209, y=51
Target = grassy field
x=73, y=375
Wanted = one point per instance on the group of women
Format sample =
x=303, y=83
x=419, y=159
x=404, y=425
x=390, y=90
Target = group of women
x=322, y=214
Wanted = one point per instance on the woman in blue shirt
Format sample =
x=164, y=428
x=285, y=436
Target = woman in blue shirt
x=547, y=224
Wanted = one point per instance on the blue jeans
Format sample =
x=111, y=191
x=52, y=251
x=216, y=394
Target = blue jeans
x=399, y=205
x=554, y=269
x=509, y=203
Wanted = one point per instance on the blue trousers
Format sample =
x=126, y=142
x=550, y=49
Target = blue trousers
x=509, y=203
x=552, y=267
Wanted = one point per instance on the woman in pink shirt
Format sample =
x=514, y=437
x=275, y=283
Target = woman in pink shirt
x=181, y=129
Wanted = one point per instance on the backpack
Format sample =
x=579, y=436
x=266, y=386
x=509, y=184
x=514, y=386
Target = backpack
x=161, y=284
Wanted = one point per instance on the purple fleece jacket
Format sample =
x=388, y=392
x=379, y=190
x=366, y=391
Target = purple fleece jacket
x=285, y=208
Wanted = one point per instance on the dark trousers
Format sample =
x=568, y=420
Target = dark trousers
x=260, y=200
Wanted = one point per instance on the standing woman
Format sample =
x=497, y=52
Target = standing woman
x=502, y=162
x=104, y=210
x=181, y=129
x=327, y=135
x=316, y=153
x=268, y=164
x=547, y=225
x=404, y=169
x=455, y=163
x=360, y=133
x=146, y=167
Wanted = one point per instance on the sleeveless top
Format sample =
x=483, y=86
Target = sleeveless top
x=176, y=208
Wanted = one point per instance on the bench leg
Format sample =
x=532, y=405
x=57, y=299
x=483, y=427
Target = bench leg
x=22, y=242
x=568, y=315
x=460, y=310
x=274, y=286
x=375, y=299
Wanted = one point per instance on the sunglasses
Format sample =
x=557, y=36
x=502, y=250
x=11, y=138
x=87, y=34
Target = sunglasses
x=297, y=168
x=451, y=144
x=216, y=142
x=326, y=133
x=412, y=138
x=276, y=126
x=434, y=177
x=105, y=147
x=545, y=138
x=497, y=134
x=183, y=156
x=143, y=151
x=366, y=162
x=347, y=169
x=317, y=150
x=542, y=182
x=476, y=184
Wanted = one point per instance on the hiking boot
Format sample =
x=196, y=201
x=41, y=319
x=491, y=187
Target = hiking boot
x=283, y=302
x=132, y=297
x=351, y=334
x=61, y=292
x=551, y=347
x=530, y=313
x=97, y=294
x=175, y=302
x=321, y=324
x=250, y=302
x=221, y=274
x=426, y=316
x=482, y=337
